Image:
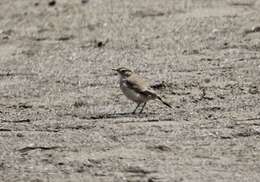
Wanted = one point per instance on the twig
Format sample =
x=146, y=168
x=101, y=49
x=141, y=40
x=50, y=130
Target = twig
x=17, y=121
x=28, y=148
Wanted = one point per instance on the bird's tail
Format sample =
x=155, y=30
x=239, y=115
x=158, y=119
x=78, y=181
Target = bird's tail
x=165, y=103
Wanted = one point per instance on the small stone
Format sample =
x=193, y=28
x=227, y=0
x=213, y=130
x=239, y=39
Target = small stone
x=19, y=135
x=215, y=30
x=52, y=3
x=253, y=90
x=206, y=80
x=84, y=1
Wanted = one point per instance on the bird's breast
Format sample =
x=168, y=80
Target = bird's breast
x=132, y=94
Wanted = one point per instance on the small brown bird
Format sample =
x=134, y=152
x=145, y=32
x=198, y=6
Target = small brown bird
x=136, y=88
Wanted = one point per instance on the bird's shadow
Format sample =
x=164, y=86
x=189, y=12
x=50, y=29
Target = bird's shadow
x=120, y=115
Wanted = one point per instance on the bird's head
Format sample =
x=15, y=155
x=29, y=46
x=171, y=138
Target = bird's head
x=124, y=72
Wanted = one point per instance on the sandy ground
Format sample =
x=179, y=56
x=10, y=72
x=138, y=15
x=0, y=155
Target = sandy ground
x=63, y=117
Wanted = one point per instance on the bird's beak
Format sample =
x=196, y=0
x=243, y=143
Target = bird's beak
x=115, y=70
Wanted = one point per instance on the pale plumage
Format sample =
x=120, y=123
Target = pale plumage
x=136, y=88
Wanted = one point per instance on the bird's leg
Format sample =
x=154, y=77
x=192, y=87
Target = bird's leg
x=142, y=108
x=136, y=107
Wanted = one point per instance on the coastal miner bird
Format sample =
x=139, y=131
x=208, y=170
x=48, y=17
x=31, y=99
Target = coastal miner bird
x=136, y=88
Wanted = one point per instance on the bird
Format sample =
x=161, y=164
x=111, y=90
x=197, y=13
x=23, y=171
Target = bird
x=137, y=89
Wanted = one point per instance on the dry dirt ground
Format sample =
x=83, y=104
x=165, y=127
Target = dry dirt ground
x=63, y=117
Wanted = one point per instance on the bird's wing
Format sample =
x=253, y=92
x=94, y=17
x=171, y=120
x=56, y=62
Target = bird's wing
x=140, y=85
x=134, y=86
x=136, y=83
